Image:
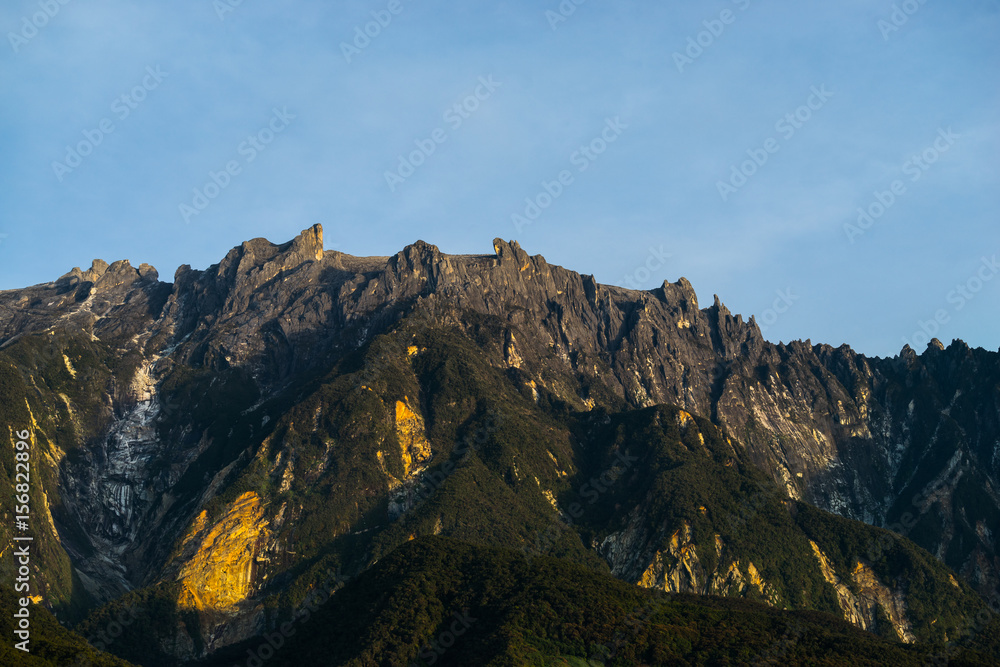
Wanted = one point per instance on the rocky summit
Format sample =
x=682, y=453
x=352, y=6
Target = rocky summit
x=421, y=436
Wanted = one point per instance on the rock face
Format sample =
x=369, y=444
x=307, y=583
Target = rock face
x=414, y=448
x=911, y=442
x=860, y=608
x=219, y=573
x=678, y=570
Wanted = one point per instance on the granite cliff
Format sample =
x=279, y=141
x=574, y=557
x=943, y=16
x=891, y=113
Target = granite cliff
x=224, y=439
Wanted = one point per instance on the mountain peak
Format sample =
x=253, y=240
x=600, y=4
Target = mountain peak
x=309, y=243
x=681, y=291
x=510, y=251
x=260, y=253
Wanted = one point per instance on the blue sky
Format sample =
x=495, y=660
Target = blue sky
x=641, y=205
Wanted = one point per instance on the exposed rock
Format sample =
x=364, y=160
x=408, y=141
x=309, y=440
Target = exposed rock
x=902, y=442
x=860, y=604
x=678, y=570
x=415, y=449
x=220, y=573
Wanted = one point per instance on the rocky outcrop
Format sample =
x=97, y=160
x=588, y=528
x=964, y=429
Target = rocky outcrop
x=219, y=573
x=414, y=448
x=911, y=442
x=110, y=493
x=677, y=569
x=859, y=605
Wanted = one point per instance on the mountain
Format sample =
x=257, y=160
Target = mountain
x=438, y=602
x=208, y=451
x=46, y=643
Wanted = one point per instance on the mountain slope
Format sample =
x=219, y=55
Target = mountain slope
x=218, y=444
x=51, y=645
x=428, y=435
x=437, y=601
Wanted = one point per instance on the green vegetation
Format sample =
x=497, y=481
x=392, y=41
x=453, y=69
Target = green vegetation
x=39, y=393
x=326, y=459
x=495, y=607
x=149, y=619
x=331, y=459
x=50, y=644
x=939, y=604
